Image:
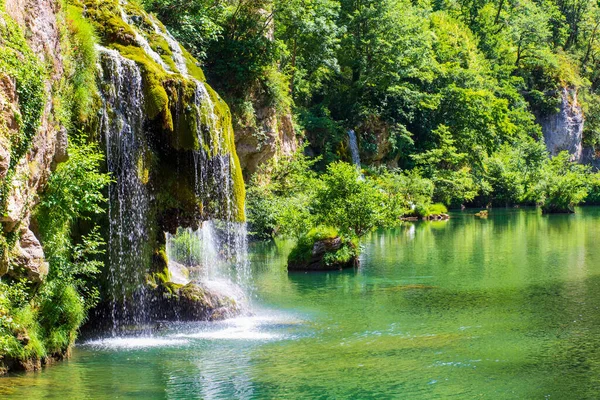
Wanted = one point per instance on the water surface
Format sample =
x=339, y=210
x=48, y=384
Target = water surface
x=503, y=308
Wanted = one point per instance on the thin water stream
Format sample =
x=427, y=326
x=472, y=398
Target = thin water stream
x=501, y=308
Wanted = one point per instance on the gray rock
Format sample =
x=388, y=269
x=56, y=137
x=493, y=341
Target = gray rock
x=61, y=153
x=564, y=130
x=28, y=258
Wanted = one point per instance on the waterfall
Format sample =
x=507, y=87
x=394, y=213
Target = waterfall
x=121, y=126
x=213, y=255
x=354, y=149
x=216, y=254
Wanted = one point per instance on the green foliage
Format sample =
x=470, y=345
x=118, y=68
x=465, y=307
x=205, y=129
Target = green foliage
x=448, y=169
x=302, y=252
x=185, y=248
x=61, y=312
x=73, y=192
x=280, y=196
x=562, y=185
x=80, y=93
x=19, y=63
x=304, y=247
x=453, y=88
x=347, y=202
x=404, y=191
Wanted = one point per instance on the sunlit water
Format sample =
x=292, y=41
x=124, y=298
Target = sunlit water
x=504, y=308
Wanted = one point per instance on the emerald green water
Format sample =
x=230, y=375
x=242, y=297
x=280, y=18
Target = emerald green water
x=504, y=308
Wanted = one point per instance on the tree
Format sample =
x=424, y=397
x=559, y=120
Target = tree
x=346, y=202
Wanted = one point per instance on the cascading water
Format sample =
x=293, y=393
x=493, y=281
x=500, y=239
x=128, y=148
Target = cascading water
x=354, y=150
x=217, y=251
x=121, y=125
x=215, y=256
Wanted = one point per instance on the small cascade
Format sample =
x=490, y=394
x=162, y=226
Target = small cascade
x=213, y=180
x=143, y=43
x=354, y=150
x=214, y=256
x=121, y=127
x=177, y=54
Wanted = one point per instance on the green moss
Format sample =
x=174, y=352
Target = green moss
x=153, y=75
x=107, y=21
x=144, y=160
x=193, y=293
x=186, y=125
x=239, y=188
x=302, y=252
x=192, y=65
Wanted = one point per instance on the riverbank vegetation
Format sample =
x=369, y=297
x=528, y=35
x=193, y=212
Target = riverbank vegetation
x=40, y=314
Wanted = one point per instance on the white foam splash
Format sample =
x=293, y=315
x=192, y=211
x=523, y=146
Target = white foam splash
x=244, y=328
x=129, y=343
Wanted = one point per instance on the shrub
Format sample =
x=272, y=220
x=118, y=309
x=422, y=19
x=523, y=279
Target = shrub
x=60, y=315
x=302, y=252
x=303, y=249
x=563, y=184
x=353, y=205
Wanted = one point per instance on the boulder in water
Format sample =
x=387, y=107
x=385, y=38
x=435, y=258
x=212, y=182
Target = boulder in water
x=323, y=249
x=195, y=301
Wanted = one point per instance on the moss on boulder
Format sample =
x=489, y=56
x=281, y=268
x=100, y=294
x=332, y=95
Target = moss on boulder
x=323, y=249
x=192, y=302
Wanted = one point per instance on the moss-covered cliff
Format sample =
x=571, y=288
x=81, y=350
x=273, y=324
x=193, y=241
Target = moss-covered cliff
x=68, y=111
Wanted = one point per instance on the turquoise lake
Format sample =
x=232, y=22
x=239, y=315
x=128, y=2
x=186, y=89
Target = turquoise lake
x=501, y=308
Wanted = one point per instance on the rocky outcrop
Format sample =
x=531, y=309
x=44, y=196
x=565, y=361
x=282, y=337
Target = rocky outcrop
x=195, y=301
x=377, y=133
x=28, y=258
x=262, y=136
x=563, y=131
x=26, y=176
x=326, y=254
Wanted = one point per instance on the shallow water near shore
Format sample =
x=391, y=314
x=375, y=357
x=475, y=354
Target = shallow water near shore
x=500, y=308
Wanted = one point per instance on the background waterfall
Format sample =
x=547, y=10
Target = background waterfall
x=354, y=150
x=121, y=125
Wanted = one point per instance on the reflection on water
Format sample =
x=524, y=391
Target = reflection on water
x=507, y=307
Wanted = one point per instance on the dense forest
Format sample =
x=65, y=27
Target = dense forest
x=458, y=103
x=450, y=99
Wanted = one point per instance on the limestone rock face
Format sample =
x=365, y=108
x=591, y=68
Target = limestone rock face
x=61, y=153
x=270, y=135
x=37, y=18
x=564, y=130
x=28, y=259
